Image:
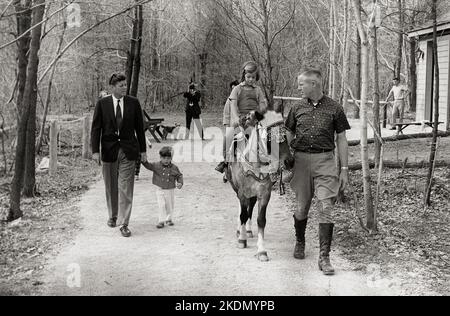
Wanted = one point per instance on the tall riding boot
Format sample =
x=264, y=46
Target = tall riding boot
x=300, y=228
x=325, y=238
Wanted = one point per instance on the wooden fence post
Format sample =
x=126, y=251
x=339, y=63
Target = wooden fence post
x=53, y=148
x=86, y=138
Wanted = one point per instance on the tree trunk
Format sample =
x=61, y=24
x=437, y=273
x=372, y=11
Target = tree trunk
x=131, y=53
x=49, y=92
x=333, y=40
x=436, y=107
x=23, y=46
x=268, y=51
x=155, y=58
x=29, y=97
x=137, y=53
x=398, y=63
x=346, y=58
x=402, y=165
x=358, y=65
x=413, y=75
x=368, y=199
x=29, y=185
x=376, y=91
x=203, y=59
x=353, y=143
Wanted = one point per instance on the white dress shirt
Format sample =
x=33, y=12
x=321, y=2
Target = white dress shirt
x=115, y=100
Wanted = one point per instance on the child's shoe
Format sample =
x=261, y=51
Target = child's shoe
x=160, y=225
x=169, y=223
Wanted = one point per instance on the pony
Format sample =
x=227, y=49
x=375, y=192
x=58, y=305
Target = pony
x=253, y=170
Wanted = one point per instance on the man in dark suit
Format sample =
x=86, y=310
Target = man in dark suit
x=118, y=126
x=193, y=110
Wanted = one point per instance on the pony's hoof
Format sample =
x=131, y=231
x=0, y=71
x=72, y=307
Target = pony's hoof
x=249, y=234
x=262, y=256
x=242, y=244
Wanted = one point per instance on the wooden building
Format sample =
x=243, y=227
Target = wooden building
x=425, y=69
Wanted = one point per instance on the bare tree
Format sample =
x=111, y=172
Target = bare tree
x=358, y=64
x=429, y=186
x=398, y=62
x=134, y=55
x=368, y=199
x=257, y=26
x=28, y=106
x=376, y=83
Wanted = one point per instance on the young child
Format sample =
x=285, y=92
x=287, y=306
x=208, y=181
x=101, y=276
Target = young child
x=245, y=98
x=167, y=177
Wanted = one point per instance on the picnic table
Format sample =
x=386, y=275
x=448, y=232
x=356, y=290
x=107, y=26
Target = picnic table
x=153, y=125
x=402, y=126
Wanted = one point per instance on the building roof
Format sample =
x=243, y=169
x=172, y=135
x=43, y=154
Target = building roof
x=443, y=21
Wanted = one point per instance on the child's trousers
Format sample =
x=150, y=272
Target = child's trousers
x=166, y=201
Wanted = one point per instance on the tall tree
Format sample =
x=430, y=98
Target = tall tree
x=133, y=67
x=346, y=56
x=401, y=27
x=436, y=107
x=258, y=24
x=28, y=105
x=368, y=199
x=333, y=46
x=23, y=17
x=376, y=82
x=358, y=65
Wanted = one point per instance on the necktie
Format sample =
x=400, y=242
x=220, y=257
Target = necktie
x=118, y=115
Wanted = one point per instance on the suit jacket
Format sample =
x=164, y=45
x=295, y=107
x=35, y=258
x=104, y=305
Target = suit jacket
x=105, y=130
x=195, y=101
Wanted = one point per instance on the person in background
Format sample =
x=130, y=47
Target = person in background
x=399, y=93
x=193, y=110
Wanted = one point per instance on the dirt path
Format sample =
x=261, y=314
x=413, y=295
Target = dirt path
x=199, y=255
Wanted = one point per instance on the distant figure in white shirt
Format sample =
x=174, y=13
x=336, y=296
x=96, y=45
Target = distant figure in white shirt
x=399, y=93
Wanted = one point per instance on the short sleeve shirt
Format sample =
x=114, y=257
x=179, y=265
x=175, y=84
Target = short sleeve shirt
x=315, y=126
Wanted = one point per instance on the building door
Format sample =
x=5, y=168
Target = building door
x=429, y=90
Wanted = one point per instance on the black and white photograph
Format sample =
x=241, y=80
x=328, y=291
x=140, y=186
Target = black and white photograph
x=224, y=153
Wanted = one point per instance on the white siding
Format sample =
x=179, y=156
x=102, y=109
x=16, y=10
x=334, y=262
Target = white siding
x=444, y=65
x=443, y=57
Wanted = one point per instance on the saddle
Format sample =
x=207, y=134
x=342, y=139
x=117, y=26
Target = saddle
x=255, y=152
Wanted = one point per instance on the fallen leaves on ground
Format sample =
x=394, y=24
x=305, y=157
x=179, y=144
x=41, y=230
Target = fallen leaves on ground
x=50, y=220
x=413, y=241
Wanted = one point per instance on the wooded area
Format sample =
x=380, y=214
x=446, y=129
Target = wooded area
x=56, y=58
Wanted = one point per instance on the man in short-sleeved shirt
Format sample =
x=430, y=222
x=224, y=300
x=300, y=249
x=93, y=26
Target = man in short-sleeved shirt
x=399, y=93
x=318, y=122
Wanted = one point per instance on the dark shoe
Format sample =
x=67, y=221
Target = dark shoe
x=160, y=225
x=225, y=180
x=112, y=222
x=125, y=231
x=221, y=167
x=300, y=228
x=325, y=238
x=393, y=128
x=169, y=223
